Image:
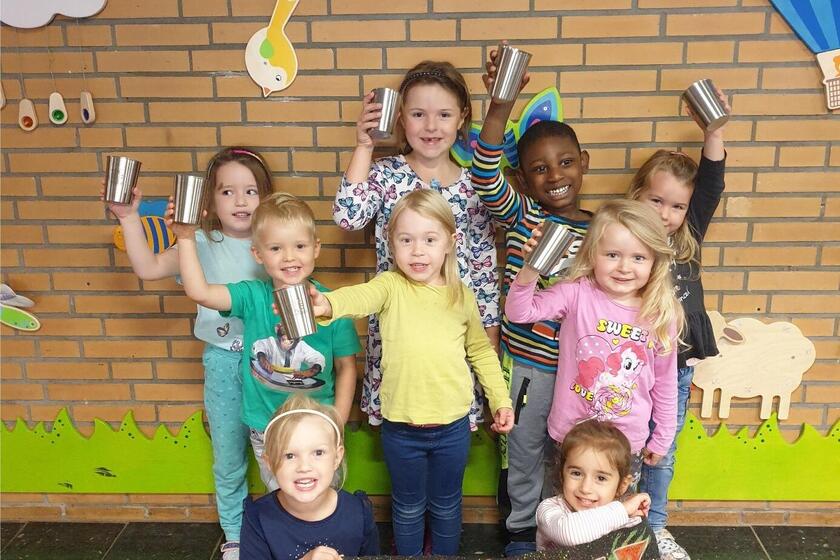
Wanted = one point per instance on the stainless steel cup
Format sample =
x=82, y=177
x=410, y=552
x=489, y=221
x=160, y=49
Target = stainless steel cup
x=553, y=246
x=385, y=128
x=120, y=178
x=511, y=64
x=295, y=308
x=189, y=193
x=708, y=110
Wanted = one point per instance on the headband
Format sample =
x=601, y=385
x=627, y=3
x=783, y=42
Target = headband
x=239, y=151
x=306, y=411
x=678, y=153
x=414, y=76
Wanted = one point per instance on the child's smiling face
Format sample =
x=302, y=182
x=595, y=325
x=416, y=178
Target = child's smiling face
x=589, y=480
x=287, y=251
x=552, y=171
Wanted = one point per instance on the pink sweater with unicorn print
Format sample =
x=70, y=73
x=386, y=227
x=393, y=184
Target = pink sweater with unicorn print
x=611, y=366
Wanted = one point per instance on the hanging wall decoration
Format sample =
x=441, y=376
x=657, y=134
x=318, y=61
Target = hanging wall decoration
x=269, y=55
x=756, y=359
x=27, y=14
x=817, y=23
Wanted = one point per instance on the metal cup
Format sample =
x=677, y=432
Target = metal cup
x=707, y=108
x=554, y=244
x=385, y=128
x=511, y=64
x=120, y=178
x=295, y=308
x=189, y=194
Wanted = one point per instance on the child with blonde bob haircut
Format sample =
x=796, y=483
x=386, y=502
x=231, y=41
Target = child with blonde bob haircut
x=432, y=335
x=308, y=517
x=620, y=323
x=594, y=471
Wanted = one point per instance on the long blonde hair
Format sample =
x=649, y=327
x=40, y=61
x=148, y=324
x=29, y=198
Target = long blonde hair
x=280, y=431
x=430, y=204
x=659, y=306
x=684, y=170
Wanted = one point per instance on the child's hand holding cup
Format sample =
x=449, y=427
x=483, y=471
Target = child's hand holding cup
x=507, y=73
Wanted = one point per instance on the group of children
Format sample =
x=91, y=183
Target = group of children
x=600, y=362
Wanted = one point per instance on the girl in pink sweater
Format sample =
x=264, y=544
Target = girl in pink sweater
x=618, y=338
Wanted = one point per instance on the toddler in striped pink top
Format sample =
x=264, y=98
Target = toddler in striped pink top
x=594, y=470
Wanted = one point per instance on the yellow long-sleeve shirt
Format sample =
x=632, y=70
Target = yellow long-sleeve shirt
x=426, y=347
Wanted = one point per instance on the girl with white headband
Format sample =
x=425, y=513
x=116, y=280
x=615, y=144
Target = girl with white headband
x=308, y=517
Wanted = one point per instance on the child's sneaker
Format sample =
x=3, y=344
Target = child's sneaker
x=668, y=547
x=230, y=550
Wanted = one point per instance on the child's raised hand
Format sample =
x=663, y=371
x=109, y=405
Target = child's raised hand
x=649, y=457
x=724, y=100
x=502, y=420
x=637, y=505
x=490, y=76
x=320, y=304
x=322, y=553
x=181, y=231
x=368, y=119
x=121, y=211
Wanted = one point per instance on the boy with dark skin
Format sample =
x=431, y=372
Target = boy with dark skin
x=550, y=176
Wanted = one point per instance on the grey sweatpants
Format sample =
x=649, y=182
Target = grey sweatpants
x=530, y=448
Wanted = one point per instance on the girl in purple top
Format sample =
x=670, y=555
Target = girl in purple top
x=618, y=337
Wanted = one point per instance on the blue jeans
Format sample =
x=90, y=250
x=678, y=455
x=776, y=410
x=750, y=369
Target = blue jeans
x=427, y=473
x=656, y=480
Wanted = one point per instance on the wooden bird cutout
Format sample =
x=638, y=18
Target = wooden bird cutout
x=269, y=55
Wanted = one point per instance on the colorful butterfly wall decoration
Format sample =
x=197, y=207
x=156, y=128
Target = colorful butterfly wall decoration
x=544, y=106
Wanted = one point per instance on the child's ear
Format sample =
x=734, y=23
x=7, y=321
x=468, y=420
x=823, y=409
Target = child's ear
x=339, y=456
x=584, y=161
x=520, y=179
x=256, y=253
x=624, y=485
x=317, y=247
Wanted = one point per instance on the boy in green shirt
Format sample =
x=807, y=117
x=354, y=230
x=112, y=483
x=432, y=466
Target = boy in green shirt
x=321, y=365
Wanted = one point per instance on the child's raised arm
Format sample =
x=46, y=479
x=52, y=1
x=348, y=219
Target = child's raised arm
x=212, y=296
x=146, y=264
x=713, y=141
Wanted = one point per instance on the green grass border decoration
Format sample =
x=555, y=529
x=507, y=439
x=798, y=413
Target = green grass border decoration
x=125, y=461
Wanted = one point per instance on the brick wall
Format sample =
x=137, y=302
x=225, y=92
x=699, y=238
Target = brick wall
x=170, y=86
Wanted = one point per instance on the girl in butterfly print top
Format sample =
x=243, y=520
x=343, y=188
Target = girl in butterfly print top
x=239, y=178
x=434, y=110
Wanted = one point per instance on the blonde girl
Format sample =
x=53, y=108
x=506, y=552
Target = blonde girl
x=594, y=472
x=434, y=111
x=685, y=196
x=238, y=177
x=432, y=334
x=619, y=329
x=308, y=517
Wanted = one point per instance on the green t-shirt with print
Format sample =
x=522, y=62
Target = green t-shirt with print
x=274, y=368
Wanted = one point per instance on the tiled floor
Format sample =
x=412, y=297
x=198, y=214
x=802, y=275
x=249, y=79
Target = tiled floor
x=200, y=541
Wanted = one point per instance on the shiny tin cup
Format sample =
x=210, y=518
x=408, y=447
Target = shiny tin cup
x=511, y=64
x=189, y=195
x=708, y=110
x=295, y=309
x=555, y=242
x=385, y=128
x=120, y=178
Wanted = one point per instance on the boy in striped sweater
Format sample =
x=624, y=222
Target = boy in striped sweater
x=550, y=175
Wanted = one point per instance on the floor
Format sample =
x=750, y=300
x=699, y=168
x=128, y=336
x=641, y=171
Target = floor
x=200, y=541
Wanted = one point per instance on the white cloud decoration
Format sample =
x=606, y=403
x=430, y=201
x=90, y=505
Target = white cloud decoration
x=29, y=14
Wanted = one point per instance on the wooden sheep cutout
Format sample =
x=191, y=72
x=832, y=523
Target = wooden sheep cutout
x=756, y=359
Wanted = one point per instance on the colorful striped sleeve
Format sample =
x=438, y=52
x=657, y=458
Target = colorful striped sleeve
x=504, y=203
